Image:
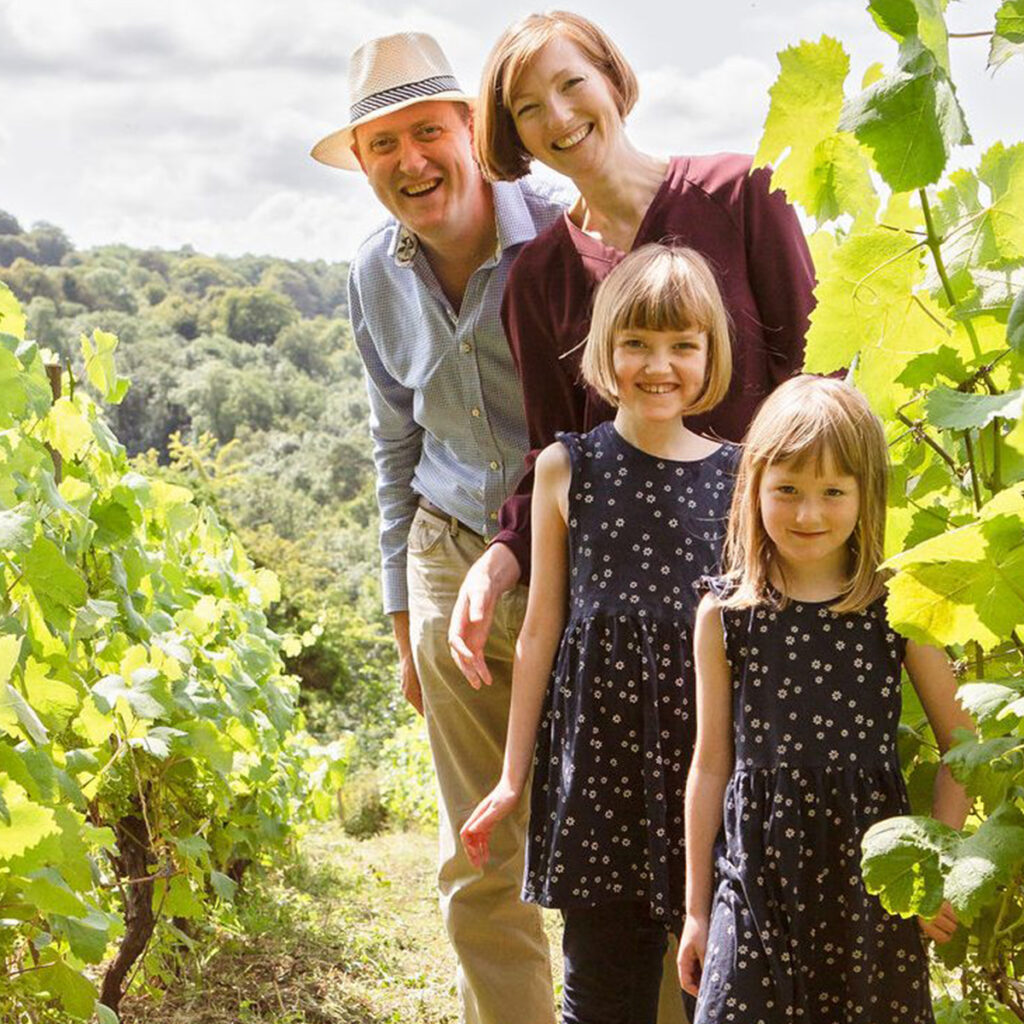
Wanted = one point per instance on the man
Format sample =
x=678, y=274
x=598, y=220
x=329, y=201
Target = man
x=446, y=415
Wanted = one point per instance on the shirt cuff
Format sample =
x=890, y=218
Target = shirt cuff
x=394, y=590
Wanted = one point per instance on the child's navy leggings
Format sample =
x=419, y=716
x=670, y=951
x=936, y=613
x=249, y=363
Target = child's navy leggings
x=613, y=955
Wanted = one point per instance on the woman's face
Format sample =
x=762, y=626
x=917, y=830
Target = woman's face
x=564, y=110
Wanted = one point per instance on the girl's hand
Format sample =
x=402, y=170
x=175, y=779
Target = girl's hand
x=942, y=926
x=692, y=947
x=476, y=833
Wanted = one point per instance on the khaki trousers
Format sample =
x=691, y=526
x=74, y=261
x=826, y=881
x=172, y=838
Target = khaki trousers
x=504, y=972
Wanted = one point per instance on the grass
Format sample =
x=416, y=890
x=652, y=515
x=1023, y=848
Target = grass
x=350, y=934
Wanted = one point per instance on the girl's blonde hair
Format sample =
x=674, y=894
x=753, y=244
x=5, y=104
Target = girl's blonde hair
x=659, y=288
x=499, y=151
x=829, y=422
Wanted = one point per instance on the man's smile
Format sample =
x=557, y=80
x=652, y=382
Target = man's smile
x=421, y=188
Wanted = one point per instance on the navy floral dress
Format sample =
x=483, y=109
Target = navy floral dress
x=617, y=732
x=794, y=935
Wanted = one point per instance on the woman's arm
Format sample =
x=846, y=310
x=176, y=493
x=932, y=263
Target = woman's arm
x=712, y=765
x=535, y=648
x=553, y=398
x=781, y=273
x=935, y=683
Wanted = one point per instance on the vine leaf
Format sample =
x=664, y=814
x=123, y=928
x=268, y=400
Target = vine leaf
x=910, y=119
x=985, y=861
x=955, y=410
x=1015, y=324
x=965, y=584
x=1002, y=170
x=28, y=824
x=99, y=366
x=990, y=703
x=1008, y=37
x=12, y=319
x=902, y=859
x=823, y=169
x=923, y=18
x=54, y=582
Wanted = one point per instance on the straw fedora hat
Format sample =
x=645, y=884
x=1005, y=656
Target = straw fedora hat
x=386, y=75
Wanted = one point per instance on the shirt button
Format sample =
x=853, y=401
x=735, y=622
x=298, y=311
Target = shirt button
x=494, y=517
x=466, y=347
x=474, y=411
x=494, y=465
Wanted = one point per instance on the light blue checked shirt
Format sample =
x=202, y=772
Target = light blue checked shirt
x=446, y=408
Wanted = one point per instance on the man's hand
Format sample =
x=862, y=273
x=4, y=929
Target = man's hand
x=494, y=573
x=410, y=680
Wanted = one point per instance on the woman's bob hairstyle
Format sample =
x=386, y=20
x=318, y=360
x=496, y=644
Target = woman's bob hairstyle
x=499, y=152
x=829, y=423
x=659, y=288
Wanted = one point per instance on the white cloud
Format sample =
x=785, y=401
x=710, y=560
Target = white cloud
x=163, y=123
x=719, y=108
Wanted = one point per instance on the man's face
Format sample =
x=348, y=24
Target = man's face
x=419, y=162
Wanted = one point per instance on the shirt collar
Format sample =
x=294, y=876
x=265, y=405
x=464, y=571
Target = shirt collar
x=512, y=218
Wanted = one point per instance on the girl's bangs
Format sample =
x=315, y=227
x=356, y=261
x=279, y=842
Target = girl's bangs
x=670, y=302
x=809, y=436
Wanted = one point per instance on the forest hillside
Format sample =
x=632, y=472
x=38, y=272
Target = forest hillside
x=245, y=381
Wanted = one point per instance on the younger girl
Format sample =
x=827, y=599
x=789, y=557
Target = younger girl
x=798, y=697
x=626, y=519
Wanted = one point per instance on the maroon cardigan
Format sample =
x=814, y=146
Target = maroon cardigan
x=754, y=243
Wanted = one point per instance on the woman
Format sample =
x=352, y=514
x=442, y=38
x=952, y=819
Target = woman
x=557, y=89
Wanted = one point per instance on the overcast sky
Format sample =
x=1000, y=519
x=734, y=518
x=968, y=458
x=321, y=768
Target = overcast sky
x=190, y=121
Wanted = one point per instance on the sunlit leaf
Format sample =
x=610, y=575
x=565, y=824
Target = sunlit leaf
x=910, y=119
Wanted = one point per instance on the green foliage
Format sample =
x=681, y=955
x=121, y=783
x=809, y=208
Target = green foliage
x=289, y=463
x=408, y=783
x=1008, y=37
x=254, y=315
x=139, y=682
x=921, y=297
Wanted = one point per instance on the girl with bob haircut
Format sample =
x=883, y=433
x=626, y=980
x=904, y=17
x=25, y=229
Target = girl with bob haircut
x=665, y=287
x=798, y=706
x=626, y=519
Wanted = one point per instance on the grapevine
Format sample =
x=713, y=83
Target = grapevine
x=920, y=298
x=150, y=746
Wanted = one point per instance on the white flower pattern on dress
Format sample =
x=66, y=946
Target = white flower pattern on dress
x=617, y=732
x=794, y=937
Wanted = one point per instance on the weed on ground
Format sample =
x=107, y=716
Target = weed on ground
x=351, y=934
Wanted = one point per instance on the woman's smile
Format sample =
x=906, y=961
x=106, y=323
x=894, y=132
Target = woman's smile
x=573, y=138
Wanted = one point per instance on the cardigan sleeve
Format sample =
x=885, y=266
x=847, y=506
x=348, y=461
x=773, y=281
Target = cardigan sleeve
x=781, y=273
x=552, y=400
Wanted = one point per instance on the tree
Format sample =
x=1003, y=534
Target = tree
x=15, y=247
x=302, y=288
x=51, y=243
x=9, y=224
x=196, y=275
x=254, y=315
